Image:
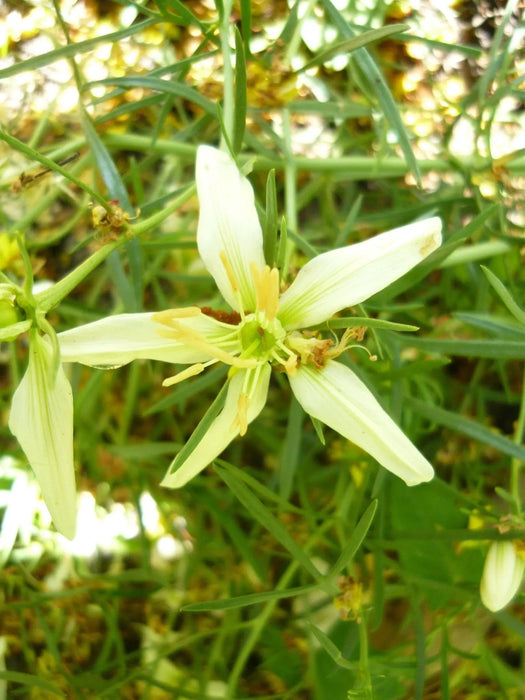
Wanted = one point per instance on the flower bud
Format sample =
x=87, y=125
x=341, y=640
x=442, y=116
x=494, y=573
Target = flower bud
x=502, y=575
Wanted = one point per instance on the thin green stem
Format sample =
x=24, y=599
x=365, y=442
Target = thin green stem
x=51, y=297
x=516, y=464
x=228, y=87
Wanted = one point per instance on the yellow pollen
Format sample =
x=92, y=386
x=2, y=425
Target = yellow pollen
x=185, y=374
x=229, y=271
x=266, y=283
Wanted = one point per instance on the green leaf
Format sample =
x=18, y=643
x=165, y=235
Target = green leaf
x=270, y=223
x=30, y=681
x=356, y=539
x=105, y=164
x=291, y=449
x=201, y=430
x=243, y=601
x=163, y=86
x=355, y=42
x=378, y=84
x=71, y=50
x=459, y=424
x=331, y=648
x=502, y=326
x=505, y=296
x=496, y=349
x=261, y=513
x=239, y=116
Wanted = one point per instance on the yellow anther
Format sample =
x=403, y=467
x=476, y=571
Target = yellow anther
x=266, y=283
x=192, y=338
x=229, y=271
x=185, y=374
x=166, y=317
x=291, y=365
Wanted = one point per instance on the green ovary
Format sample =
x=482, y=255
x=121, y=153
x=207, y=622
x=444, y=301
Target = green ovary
x=260, y=337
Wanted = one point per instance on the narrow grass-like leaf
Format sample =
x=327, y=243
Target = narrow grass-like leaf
x=291, y=449
x=330, y=648
x=290, y=25
x=355, y=540
x=417, y=619
x=243, y=601
x=476, y=251
x=329, y=109
x=37, y=62
x=105, y=164
x=469, y=427
x=496, y=349
x=120, y=281
x=281, y=248
x=183, y=15
x=498, y=43
x=270, y=222
x=505, y=296
x=130, y=291
x=239, y=537
x=355, y=42
x=189, y=389
x=240, y=97
x=261, y=489
x=201, y=430
x=366, y=321
x=168, y=87
x=378, y=84
x=261, y=513
x=503, y=327
x=32, y=154
x=246, y=24
x=31, y=682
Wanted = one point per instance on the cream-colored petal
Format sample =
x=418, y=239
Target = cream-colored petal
x=42, y=420
x=224, y=428
x=346, y=276
x=228, y=225
x=337, y=397
x=116, y=340
x=502, y=575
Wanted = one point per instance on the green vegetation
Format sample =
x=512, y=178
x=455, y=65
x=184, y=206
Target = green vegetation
x=294, y=566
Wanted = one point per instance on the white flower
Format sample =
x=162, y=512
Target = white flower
x=41, y=419
x=502, y=575
x=264, y=329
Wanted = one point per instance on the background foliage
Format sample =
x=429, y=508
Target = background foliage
x=289, y=569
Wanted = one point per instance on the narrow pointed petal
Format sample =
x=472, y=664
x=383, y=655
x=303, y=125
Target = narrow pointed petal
x=502, y=575
x=42, y=420
x=346, y=276
x=228, y=224
x=224, y=428
x=116, y=340
x=337, y=397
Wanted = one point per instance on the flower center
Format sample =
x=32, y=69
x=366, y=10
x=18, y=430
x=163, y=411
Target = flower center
x=260, y=338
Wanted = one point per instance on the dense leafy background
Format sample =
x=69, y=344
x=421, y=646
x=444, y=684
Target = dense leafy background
x=289, y=569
